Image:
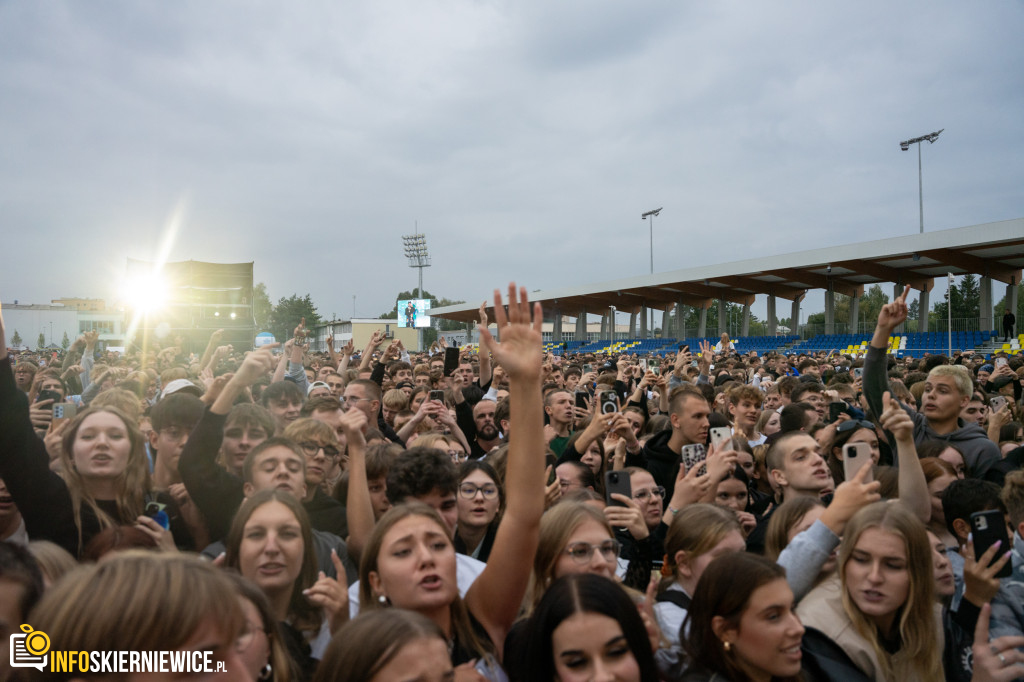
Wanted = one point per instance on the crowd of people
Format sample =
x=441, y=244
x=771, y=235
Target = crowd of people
x=518, y=515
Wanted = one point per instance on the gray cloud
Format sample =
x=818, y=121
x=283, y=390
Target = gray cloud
x=525, y=137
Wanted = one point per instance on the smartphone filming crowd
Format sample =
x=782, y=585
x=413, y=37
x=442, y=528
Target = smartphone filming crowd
x=503, y=513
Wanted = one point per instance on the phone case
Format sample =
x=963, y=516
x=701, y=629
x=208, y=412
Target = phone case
x=855, y=456
x=616, y=482
x=987, y=528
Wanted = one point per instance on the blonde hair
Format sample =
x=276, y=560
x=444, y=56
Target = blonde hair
x=920, y=652
x=122, y=399
x=306, y=428
x=132, y=485
x=696, y=529
x=961, y=377
x=395, y=399
x=139, y=600
x=54, y=561
x=1013, y=497
x=556, y=527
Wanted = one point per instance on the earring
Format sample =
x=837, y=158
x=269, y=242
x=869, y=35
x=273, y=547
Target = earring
x=266, y=672
x=383, y=600
x=727, y=646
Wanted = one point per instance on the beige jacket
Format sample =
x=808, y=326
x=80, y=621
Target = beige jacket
x=822, y=609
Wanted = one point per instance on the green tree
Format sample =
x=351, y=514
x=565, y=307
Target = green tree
x=964, y=297
x=65, y=342
x=16, y=339
x=42, y=340
x=261, y=306
x=286, y=315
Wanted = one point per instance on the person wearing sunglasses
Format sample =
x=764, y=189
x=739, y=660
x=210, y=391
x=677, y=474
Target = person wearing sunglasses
x=480, y=501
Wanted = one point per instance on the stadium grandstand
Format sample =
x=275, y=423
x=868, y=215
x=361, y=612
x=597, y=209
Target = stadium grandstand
x=992, y=251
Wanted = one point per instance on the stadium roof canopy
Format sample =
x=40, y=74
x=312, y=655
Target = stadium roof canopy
x=993, y=250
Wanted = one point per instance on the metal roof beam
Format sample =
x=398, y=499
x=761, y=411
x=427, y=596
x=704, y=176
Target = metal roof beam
x=989, y=267
x=888, y=274
x=839, y=285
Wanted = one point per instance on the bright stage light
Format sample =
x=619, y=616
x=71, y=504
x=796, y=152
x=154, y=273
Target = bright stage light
x=145, y=293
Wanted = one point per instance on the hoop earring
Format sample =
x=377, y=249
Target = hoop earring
x=266, y=672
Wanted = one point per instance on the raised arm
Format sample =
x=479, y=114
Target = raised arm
x=358, y=505
x=912, y=484
x=215, y=338
x=485, y=357
x=876, y=380
x=371, y=346
x=496, y=595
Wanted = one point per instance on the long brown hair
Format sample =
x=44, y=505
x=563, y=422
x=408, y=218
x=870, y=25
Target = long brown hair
x=556, y=527
x=132, y=485
x=462, y=629
x=304, y=615
x=724, y=590
x=696, y=529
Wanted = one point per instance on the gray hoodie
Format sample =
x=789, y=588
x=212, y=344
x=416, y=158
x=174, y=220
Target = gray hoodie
x=980, y=453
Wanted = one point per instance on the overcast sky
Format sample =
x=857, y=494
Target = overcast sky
x=526, y=137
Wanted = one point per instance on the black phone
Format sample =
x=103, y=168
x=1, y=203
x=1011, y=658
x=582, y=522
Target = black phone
x=451, y=360
x=616, y=482
x=437, y=395
x=582, y=399
x=835, y=409
x=49, y=395
x=987, y=528
x=609, y=402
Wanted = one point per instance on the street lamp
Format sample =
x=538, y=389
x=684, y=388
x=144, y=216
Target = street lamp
x=905, y=146
x=649, y=217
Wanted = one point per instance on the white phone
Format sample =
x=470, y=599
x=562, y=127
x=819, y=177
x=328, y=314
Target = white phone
x=856, y=456
x=719, y=435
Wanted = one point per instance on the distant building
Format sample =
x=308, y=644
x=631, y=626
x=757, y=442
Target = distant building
x=54, y=321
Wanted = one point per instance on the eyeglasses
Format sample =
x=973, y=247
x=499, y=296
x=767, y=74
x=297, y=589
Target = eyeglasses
x=469, y=491
x=853, y=424
x=581, y=552
x=311, y=449
x=644, y=494
x=248, y=634
x=458, y=456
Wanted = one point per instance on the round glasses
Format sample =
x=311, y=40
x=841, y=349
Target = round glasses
x=581, y=552
x=311, y=449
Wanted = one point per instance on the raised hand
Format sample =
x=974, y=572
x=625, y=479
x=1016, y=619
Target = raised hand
x=895, y=419
x=256, y=364
x=893, y=314
x=519, y=349
x=331, y=594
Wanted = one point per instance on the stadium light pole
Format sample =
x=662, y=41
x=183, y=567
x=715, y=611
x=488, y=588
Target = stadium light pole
x=649, y=217
x=416, y=251
x=905, y=146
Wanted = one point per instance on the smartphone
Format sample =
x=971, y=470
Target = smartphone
x=719, y=435
x=654, y=365
x=49, y=395
x=63, y=412
x=855, y=456
x=996, y=403
x=582, y=398
x=155, y=511
x=451, y=360
x=609, y=402
x=835, y=409
x=437, y=395
x=857, y=372
x=988, y=527
x=587, y=368
x=616, y=482
x=684, y=347
x=999, y=362
x=693, y=455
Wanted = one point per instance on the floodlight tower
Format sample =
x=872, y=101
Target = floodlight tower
x=905, y=146
x=649, y=216
x=416, y=251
